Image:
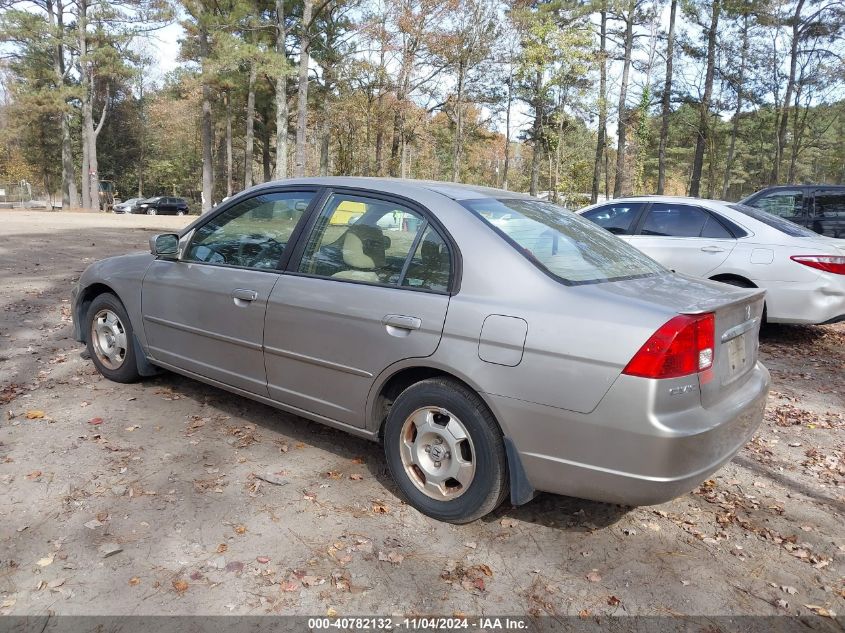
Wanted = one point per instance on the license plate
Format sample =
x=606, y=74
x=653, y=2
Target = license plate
x=737, y=355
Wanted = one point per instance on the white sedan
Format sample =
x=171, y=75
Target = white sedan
x=802, y=272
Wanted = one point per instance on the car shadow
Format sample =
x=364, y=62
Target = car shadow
x=565, y=513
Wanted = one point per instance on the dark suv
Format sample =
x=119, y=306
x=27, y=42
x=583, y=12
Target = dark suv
x=162, y=205
x=818, y=207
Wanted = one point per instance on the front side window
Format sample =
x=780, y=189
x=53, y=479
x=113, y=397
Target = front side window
x=618, y=218
x=563, y=244
x=669, y=220
x=251, y=234
x=362, y=239
x=786, y=204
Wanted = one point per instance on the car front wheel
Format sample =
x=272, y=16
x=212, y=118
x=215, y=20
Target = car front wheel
x=445, y=451
x=151, y=211
x=180, y=212
x=110, y=339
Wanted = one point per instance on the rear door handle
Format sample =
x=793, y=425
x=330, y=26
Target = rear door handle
x=243, y=295
x=712, y=249
x=403, y=322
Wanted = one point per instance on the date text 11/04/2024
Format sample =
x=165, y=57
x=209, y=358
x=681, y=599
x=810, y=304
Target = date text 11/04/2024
x=418, y=624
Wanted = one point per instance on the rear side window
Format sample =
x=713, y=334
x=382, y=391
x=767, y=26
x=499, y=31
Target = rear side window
x=670, y=220
x=829, y=204
x=715, y=229
x=774, y=221
x=566, y=246
x=786, y=204
x=617, y=218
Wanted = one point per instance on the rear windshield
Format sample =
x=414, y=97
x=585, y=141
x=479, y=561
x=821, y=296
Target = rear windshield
x=774, y=221
x=564, y=245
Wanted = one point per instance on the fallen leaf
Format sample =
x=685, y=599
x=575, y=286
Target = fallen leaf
x=584, y=614
x=508, y=523
x=790, y=590
x=289, y=586
x=330, y=612
x=95, y=421
x=356, y=477
x=311, y=581
x=35, y=474
x=471, y=544
x=380, y=508
x=181, y=586
x=53, y=584
x=34, y=414
x=47, y=560
x=222, y=548
x=263, y=560
x=594, y=576
x=613, y=601
x=134, y=581
x=240, y=529
x=825, y=613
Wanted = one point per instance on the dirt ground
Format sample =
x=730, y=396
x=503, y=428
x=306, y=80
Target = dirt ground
x=148, y=498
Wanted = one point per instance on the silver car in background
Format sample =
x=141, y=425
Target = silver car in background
x=497, y=345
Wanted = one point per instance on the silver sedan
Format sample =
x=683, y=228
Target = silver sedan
x=497, y=345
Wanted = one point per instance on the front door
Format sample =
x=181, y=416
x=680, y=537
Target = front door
x=370, y=288
x=204, y=313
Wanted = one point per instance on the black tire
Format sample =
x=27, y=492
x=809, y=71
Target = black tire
x=127, y=370
x=180, y=212
x=488, y=487
x=151, y=211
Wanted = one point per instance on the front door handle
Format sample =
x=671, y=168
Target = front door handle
x=243, y=296
x=712, y=249
x=402, y=322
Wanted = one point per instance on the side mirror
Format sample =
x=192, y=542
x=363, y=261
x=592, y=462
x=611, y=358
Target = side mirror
x=165, y=245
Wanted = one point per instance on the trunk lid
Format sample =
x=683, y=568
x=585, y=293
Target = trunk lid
x=738, y=315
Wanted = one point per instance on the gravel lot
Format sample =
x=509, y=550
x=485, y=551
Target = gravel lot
x=149, y=498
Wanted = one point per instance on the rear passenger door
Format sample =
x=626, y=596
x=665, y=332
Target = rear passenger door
x=827, y=216
x=683, y=237
x=359, y=294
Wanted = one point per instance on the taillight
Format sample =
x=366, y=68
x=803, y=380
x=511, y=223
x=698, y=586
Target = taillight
x=828, y=263
x=682, y=346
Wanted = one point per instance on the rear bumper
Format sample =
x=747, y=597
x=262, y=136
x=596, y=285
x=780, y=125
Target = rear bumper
x=810, y=303
x=624, y=452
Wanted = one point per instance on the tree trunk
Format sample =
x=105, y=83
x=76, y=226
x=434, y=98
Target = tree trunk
x=325, y=121
x=602, y=132
x=508, y=130
x=264, y=132
x=704, y=114
x=667, y=103
x=249, y=140
x=782, y=117
x=87, y=116
x=458, y=141
x=623, y=97
x=743, y=55
x=536, y=130
x=302, y=97
x=56, y=16
x=206, y=124
x=281, y=95
x=227, y=100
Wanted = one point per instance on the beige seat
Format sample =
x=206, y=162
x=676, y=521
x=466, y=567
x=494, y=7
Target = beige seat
x=363, y=249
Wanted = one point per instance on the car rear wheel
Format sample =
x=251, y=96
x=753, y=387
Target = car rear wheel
x=110, y=339
x=180, y=212
x=445, y=451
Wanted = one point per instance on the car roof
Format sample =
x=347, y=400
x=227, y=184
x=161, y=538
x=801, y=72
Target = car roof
x=703, y=202
x=452, y=190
